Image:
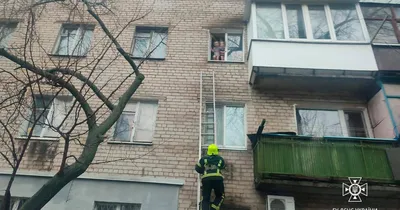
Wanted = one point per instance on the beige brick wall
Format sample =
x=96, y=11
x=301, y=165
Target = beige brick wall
x=175, y=83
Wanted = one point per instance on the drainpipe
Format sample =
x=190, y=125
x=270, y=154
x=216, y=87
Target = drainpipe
x=385, y=96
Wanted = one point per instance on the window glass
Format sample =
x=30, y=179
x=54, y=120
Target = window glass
x=235, y=47
x=146, y=121
x=150, y=42
x=346, y=22
x=158, y=45
x=269, y=21
x=318, y=123
x=295, y=21
x=319, y=23
x=6, y=30
x=123, y=129
x=386, y=34
x=230, y=126
x=234, y=127
x=74, y=40
x=376, y=12
x=397, y=11
x=355, y=124
x=137, y=126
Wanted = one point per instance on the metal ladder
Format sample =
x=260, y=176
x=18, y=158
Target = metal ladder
x=208, y=117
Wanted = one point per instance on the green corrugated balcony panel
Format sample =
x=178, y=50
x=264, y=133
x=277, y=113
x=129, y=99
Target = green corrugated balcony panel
x=326, y=158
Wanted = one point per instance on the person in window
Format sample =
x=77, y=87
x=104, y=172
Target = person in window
x=216, y=50
x=210, y=168
x=222, y=50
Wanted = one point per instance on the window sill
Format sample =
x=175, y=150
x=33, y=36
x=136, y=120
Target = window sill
x=150, y=59
x=35, y=138
x=228, y=148
x=67, y=56
x=131, y=143
x=234, y=62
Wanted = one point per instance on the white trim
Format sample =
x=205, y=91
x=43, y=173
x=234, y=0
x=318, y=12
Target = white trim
x=254, y=20
x=35, y=138
x=226, y=46
x=330, y=22
x=307, y=22
x=209, y=45
x=224, y=125
x=285, y=22
x=367, y=123
x=135, y=120
x=295, y=118
x=362, y=22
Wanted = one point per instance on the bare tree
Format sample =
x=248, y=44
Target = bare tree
x=59, y=92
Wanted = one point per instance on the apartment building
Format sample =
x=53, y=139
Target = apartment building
x=329, y=96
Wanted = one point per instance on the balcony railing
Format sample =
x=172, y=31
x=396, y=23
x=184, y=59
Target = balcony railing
x=321, y=158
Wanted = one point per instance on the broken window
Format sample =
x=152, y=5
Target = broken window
x=227, y=46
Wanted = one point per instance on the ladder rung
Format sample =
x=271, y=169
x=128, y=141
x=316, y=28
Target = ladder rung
x=209, y=102
x=208, y=123
x=207, y=75
x=207, y=112
x=207, y=134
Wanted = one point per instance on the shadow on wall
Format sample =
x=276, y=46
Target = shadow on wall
x=39, y=154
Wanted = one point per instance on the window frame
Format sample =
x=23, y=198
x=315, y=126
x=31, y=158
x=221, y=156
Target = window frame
x=225, y=32
x=46, y=129
x=223, y=146
x=152, y=30
x=341, y=110
x=12, y=26
x=81, y=29
x=136, y=113
x=394, y=21
x=308, y=26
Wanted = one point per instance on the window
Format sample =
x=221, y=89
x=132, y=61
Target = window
x=48, y=113
x=295, y=20
x=227, y=46
x=319, y=22
x=230, y=126
x=150, y=42
x=331, y=123
x=116, y=206
x=74, y=40
x=374, y=16
x=6, y=29
x=269, y=21
x=137, y=122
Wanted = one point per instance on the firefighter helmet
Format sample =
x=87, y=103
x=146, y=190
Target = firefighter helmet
x=212, y=149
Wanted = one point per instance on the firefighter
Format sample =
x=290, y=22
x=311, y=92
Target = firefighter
x=210, y=168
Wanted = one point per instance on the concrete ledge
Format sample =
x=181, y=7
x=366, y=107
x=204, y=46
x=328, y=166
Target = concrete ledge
x=91, y=176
